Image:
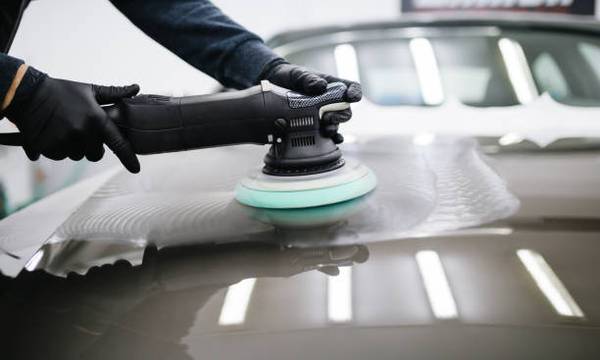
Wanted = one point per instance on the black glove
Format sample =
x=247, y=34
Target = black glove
x=61, y=119
x=313, y=83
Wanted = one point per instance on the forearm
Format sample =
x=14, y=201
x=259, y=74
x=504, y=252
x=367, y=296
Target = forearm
x=199, y=33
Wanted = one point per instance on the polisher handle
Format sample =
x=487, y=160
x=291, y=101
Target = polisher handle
x=11, y=139
x=158, y=124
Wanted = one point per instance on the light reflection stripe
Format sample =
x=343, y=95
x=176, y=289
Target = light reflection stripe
x=518, y=70
x=236, y=303
x=549, y=283
x=347, y=62
x=427, y=70
x=436, y=285
x=339, y=296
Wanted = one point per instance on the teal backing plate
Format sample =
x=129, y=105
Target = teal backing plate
x=306, y=198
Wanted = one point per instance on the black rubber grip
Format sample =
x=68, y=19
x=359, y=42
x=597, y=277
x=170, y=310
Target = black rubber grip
x=158, y=124
x=11, y=139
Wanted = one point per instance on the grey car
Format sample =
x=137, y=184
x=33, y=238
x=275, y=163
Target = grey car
x=470, y=247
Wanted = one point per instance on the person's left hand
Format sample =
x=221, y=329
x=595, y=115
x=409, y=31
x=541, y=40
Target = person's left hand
x=313, y=83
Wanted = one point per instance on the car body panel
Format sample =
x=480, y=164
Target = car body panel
x=170, y=304
x=456, y=254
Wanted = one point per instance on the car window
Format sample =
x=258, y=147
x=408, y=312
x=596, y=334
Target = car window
x=472, y=71
x=549, y=77
x=563, y=70
x=503, y=69
x=591, y=54
x=388, y=73
x=386, y=69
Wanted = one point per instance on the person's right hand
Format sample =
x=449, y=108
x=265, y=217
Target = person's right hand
x=309, y=82
x=64, y=118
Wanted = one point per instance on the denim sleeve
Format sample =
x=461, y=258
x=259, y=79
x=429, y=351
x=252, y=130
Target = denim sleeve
x=199, y=33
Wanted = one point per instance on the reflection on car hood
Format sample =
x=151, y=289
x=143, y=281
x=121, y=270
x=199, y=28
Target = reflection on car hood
x=250, y=300
x=442, y=261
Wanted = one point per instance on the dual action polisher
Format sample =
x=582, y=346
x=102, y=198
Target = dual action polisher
x=302, y=168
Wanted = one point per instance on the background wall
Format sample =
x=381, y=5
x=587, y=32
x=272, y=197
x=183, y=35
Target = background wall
x=89, y=40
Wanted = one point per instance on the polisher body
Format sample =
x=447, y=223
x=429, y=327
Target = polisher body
x=303, y=168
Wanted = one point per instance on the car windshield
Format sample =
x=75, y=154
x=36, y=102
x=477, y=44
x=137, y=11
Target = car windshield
x=470, y=65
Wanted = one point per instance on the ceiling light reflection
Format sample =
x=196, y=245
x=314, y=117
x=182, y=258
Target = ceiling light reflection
x=436, y=285
x=518, y=70
x=236, y=303
x=347, y=62
x=339, y=296
x=549, y=283
x=428, y=71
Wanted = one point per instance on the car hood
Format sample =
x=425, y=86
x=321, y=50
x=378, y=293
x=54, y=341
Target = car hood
x=515, y=236
x=541, y=122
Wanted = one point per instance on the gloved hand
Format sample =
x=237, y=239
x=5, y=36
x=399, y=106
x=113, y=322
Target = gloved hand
x=312, y=83
x=64, y=118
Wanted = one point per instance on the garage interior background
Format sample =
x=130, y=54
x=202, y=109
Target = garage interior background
x=89, y=40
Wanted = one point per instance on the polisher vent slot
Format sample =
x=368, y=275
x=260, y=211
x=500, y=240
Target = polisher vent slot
x=302, y=122
x=303, y=141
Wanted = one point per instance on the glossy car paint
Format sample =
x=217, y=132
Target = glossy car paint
x=455, y=255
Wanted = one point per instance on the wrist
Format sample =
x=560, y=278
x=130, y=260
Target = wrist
x=26, y=87
x=270, y=67
x=246, y=63
x=10, y=93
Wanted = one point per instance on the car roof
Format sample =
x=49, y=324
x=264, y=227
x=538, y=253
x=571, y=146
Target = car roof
x=513, y=20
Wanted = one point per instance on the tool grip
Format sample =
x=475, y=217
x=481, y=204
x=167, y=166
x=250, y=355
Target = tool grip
x=336, y=93
x=157, y=124
x=11, y=139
